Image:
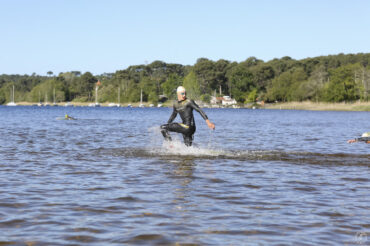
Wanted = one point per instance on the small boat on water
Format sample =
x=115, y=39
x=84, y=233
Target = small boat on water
x=11, y=104
x=94, y=104
x=113, y=105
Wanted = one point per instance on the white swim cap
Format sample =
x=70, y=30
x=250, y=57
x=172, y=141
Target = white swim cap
x=366, y=134
x=180, y=89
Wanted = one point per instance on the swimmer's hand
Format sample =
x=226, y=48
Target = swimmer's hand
x=351, y=141
x=210, y=124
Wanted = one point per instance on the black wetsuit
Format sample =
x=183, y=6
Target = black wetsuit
x=187, y=127
x=363, y=139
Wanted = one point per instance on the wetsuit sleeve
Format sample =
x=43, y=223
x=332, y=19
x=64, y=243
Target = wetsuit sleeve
x=198, y=109
x=363, y=139
x=173, y=115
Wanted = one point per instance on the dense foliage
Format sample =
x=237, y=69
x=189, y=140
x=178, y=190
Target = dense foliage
x=335, y=78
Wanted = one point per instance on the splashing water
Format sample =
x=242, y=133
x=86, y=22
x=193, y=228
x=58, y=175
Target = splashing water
x=177, y=148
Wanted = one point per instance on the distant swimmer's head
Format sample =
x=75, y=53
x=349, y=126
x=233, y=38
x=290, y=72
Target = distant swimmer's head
x=181, y=93
x=366, y=135
x=66, y=116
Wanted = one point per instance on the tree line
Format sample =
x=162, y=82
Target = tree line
x=333, y=78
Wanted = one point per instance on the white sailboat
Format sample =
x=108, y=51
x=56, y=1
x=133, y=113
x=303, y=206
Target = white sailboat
x=12, y=103
x=39, y=104
x=96, y=99
x=54, y=103
x=119, y=97
x=141, y=105
x=46, y=100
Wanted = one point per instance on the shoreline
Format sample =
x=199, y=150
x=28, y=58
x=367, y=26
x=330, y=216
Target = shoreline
x=311, y=106
x=86, y=104
x=320, y=106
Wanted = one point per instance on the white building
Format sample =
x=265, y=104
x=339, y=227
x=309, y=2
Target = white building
x=224, y=101
x=228, y=101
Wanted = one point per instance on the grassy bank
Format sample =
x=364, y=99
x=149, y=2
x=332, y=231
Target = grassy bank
x=357, y=106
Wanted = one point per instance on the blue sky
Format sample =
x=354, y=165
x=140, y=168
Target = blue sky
x=109, y=35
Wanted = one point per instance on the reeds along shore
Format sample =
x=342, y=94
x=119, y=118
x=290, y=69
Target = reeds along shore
x=356, y=106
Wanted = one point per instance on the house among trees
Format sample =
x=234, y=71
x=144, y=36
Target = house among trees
x=223, y=101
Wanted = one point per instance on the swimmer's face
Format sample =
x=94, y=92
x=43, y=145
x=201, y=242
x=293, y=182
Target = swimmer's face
x=181, y=95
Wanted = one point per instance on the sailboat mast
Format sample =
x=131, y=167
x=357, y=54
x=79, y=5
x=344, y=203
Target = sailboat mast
x=119, y=92
x=141, y=96
x=13, y=94
x=96, y=95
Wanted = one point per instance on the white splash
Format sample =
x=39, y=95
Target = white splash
x=176, y=147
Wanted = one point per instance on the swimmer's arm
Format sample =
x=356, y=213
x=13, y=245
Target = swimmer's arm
x=173, y=116
x=201, y=112
x=210, y=124
x=198, y=109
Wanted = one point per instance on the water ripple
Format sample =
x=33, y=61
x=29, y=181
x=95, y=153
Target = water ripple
x=262, y=178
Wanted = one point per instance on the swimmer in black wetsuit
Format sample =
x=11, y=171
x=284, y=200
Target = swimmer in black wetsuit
x=67, y=117
x=184, y=107
x=364, y=138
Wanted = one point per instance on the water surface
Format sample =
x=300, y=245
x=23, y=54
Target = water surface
x=264, y=177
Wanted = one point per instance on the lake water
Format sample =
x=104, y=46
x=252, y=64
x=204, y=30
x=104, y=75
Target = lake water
x=263, y=177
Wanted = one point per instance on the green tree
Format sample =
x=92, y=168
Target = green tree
x=241, y=80
x=153, y=97
x=172, y=82
x=262, y=76
x=192, y=86
x=342, y=85
x=252, y=96
x=206, y=98
x=206, y=74
x=86, y=84
x=316, y=82
x=2, y=96
x=285, y=87
x=362, y=79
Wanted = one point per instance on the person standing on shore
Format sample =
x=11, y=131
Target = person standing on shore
x=184, y=107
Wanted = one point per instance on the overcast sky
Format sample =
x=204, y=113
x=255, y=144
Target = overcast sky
x=108, y=35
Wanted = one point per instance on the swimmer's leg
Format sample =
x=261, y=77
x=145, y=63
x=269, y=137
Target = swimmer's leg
x=165, y=133
x=188, y=140
x=179, y=128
